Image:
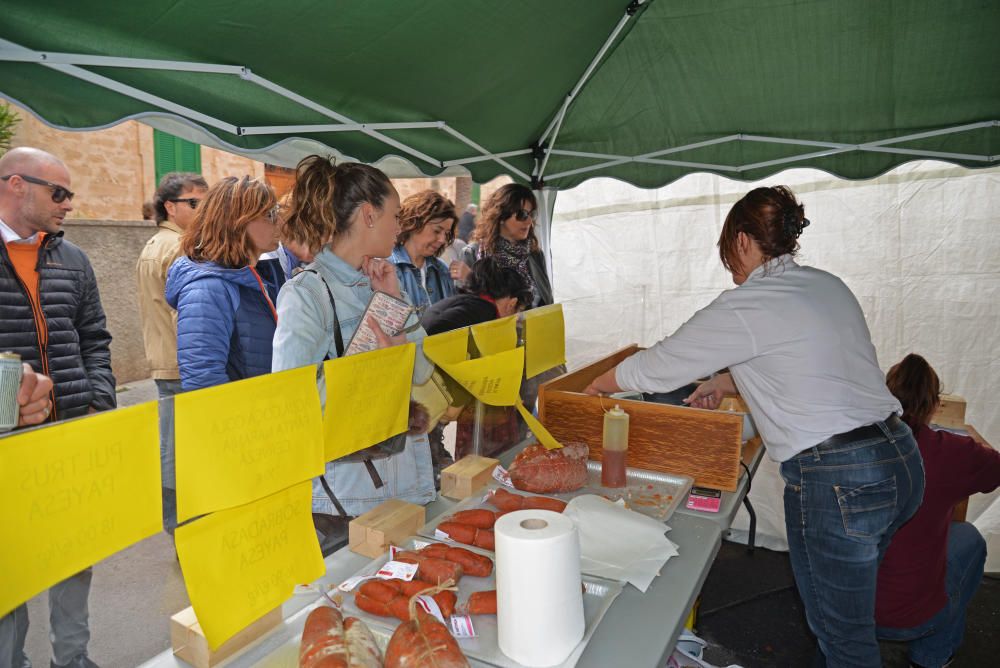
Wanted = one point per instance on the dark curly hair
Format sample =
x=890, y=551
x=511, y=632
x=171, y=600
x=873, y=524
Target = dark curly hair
x=171, y=186
x=490, y=278
x=501, y=205
x=770, y=216
x=419, y=210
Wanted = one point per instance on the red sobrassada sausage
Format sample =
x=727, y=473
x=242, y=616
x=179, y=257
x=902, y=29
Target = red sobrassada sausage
x=362, y=650
x=508, y=501
x=481, y=518
x=468, y=534
x=323, y=642
x=423, y=642
x=475, y=565
x=430, y=569
x=482, y=603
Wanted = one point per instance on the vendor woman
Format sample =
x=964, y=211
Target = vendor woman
x=798, y=350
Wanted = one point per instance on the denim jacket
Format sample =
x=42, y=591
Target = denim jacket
x=439, y=283
x=305, y=336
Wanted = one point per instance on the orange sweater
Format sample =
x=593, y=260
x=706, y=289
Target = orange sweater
x=24, y=257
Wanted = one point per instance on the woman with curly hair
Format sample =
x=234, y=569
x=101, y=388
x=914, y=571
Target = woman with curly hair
x=427, y=223
x=506, y=231
x=225, y=308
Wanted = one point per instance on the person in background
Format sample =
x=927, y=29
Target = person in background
x=350, y=212
x=225, y=309
x=492, y=291
x=51, y=315
x=800, y=354
x=933, y=565
x=426, y=226
x=148, y=210
x=174, y=203
x=506, y=231
x=467, y=223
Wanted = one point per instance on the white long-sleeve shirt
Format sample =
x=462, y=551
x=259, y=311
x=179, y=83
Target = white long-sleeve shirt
x=799, y=350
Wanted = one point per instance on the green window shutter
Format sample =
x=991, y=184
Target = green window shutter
x=173, y=154
x=475, y=194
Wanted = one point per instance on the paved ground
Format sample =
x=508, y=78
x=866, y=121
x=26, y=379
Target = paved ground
x=750, y=612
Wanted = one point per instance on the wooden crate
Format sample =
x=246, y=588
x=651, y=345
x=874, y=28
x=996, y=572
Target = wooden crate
x=951, y=412
x=388, y=523
x=189, y=642
x=703, y=444
x=467, y=476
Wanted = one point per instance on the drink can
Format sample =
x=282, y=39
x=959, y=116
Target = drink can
x=10, y=383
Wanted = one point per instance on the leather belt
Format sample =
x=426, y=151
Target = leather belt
x=861, y=433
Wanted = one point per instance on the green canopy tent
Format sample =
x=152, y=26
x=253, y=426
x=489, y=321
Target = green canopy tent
x=551, y=93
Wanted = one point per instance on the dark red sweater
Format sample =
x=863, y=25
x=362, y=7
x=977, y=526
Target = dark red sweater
x=911, y=580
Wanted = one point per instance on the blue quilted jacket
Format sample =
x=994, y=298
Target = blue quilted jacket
x=225, y=321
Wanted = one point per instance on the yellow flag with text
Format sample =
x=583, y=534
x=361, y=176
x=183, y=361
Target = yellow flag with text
x=74, y=493
x=241, y=563
x=544, y=339
x=448, y=347
x=241, y=441
x=495, y=336
x=367, y=398
x=494, y=380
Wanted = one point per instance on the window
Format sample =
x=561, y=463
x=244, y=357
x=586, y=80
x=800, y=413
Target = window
x=173, y=154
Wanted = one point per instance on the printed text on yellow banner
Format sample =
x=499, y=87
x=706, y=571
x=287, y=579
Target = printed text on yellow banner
x=367, y=398
x=241, y=441
x=495, y=336
x=74, y=493
x=240, y=563
x=544, y=339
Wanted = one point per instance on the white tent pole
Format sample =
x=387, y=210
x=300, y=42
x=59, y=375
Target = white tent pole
x=935, y=133
x=341, y=127
x=45, y=58
x=546, y=198
x=483, y=158
x=556, y=124
x=458, y=135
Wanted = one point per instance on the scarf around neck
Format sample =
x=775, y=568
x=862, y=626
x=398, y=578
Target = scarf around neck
x=514, y=255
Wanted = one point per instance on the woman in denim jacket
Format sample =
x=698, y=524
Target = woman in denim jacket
x=350, y=212
x=427, y=224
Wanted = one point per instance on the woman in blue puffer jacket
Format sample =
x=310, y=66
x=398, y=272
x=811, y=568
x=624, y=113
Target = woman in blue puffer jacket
x=225, y=309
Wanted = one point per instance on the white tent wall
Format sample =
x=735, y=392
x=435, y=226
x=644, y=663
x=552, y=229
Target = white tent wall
x=919, y=246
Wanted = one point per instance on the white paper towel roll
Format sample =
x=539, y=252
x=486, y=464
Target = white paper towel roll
x=539, y=597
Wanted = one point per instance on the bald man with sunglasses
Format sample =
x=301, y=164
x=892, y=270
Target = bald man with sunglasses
x=51, y=315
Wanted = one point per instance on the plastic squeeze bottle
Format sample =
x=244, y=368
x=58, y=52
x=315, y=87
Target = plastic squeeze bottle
x=614, y=447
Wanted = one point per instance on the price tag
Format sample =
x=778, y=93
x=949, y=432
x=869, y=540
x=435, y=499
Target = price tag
x=501, y=476
x=420, y=544
x=350, y=583
x=461, y=626
x=441, y=535
x=397, y=570
x=393, y=551
x=430, y=606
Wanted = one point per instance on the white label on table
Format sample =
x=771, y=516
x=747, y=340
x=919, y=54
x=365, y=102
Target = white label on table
x=352, y=582
x=397, y=570
x=501, y=476
x=441, y=535
x=461, y=626
x=420, y=544
x=430, y=606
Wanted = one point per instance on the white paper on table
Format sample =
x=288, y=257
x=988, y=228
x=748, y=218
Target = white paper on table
x=618, y=543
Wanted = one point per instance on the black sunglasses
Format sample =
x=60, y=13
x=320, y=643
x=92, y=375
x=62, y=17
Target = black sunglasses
x=191, y=201
x=523, y=215
x=59, y=194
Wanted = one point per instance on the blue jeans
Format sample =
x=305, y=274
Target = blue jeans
x=68, y=621
x=166, y=390
x=938, y=639
x=842, y=505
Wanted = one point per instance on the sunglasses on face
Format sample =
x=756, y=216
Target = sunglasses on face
x=523, y=215
x=191, y=201
x=59, y=194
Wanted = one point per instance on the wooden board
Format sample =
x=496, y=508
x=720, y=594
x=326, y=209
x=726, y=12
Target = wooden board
x=705, y=445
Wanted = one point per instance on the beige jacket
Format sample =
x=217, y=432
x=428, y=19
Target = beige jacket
x=159, y=321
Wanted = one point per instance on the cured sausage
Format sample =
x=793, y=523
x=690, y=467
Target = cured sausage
x=468, y=534
x=476, y=565
x=430, y=569
x=538, y=469
x=397, y=607
x=481, y=518
x=391, y=598
x=323, y=643
x=362, y=650
x=481, y=603
x=423, y=642
x=509, y=502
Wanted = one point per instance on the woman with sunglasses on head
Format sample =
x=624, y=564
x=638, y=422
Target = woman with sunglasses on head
x=506, y=230
x=933, y=565
x=225, y=308
x=350, y=213
x=799, y=352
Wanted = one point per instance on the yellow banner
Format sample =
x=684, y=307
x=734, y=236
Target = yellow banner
x=448, y=347
x=544, y=339
x=241, y=441
x=367, y=398
x=73, y=493
x=495, y=336
x=494, y=380
x=240, y=563
x=537, y=428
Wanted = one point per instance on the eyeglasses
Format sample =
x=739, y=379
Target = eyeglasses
x=191, y=201
x=523, y=215
x=59, y=194
x=272, y=215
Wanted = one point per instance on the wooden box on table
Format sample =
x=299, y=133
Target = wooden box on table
x=704, y=444
x=388, y=523
x=190, y=644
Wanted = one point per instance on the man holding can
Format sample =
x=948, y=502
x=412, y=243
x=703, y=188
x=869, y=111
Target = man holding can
x=51, y=315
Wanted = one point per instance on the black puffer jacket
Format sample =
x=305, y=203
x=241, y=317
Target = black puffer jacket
x=77, y=355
